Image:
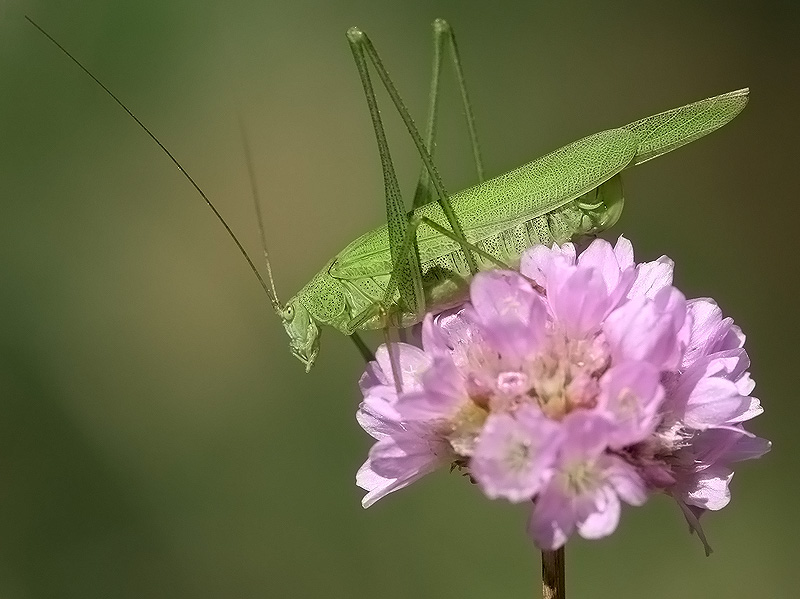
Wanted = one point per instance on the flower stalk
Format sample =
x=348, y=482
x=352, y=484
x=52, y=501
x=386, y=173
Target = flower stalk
x=553, y=577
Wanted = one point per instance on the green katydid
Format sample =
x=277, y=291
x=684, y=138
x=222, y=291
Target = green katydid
x=422, y=260
x=392, y=275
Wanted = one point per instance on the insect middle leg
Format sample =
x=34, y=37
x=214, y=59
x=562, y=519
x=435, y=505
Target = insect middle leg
x=380, y=308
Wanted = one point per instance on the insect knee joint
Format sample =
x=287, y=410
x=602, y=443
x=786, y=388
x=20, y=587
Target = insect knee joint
x=355, y=35
x=441, y=26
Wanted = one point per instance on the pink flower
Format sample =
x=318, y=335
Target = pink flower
x=587, y=485
x=580, y=383
x=515, y=454
x=404, y=451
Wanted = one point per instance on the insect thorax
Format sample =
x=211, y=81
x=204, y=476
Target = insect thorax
x=324, y=299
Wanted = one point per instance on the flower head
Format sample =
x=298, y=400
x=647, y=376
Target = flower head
x=578, y=383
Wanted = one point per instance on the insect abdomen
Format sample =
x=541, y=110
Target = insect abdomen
x=507, y=244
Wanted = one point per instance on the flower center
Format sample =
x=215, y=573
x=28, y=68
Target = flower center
x=518, y=455
x=465, y=427
x=563, y=376
x=512, y=383
x=580, y=478
x=566, y=375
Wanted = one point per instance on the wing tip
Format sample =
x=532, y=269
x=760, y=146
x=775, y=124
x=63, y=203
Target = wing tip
x=742, y=94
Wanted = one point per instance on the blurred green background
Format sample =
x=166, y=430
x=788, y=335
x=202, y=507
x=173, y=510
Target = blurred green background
x=157, y=439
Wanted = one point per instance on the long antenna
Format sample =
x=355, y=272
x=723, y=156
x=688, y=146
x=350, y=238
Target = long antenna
x=254, y=192
x=267, y=290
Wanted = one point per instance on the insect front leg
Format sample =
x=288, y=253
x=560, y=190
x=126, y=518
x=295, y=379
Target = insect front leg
x=380, y=310
x=362, y=347
x=383, y=307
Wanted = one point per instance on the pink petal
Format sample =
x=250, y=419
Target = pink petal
x=378, y=486
x=747, y=448
x=715, y=401
x=745, y=385
x=539, y=261
x=501, y=296
x=398, y=458
x=601, y=515
x=434, y=340
x=752, y=410
x=651, y=277
x=710, y=488
x=625, y=481
x=601, y=257
x=552, y=519
x=442, y=394
x=631, y=394
x=648, y=330
x=618, y=276
x=412, y=363
x=373, y=377
x=726, y=446
x=377, y=425
x=444, y=331
x=586, y=435
x=623, y=250
x=514, y=454
x=710, y=332
x=511, y=314
x=375, y=485
x=423, y=406
x=579, y=299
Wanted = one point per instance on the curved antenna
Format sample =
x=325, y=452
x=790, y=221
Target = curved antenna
x=259, y=217
x=244, y=253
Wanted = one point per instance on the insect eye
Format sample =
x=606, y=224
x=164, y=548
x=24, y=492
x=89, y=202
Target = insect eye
x=289, y=312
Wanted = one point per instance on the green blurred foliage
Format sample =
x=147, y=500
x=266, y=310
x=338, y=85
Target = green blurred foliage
x=158, y=440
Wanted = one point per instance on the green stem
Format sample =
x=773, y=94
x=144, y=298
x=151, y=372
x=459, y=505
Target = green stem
x=553, y=574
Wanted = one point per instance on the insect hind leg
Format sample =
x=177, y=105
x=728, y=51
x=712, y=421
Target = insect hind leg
x=444, y=38
x=364, y=54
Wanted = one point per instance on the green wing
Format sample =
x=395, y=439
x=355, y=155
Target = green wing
x=502, y=202
x=665, y=131
x=543, y=185
x=548, y=182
